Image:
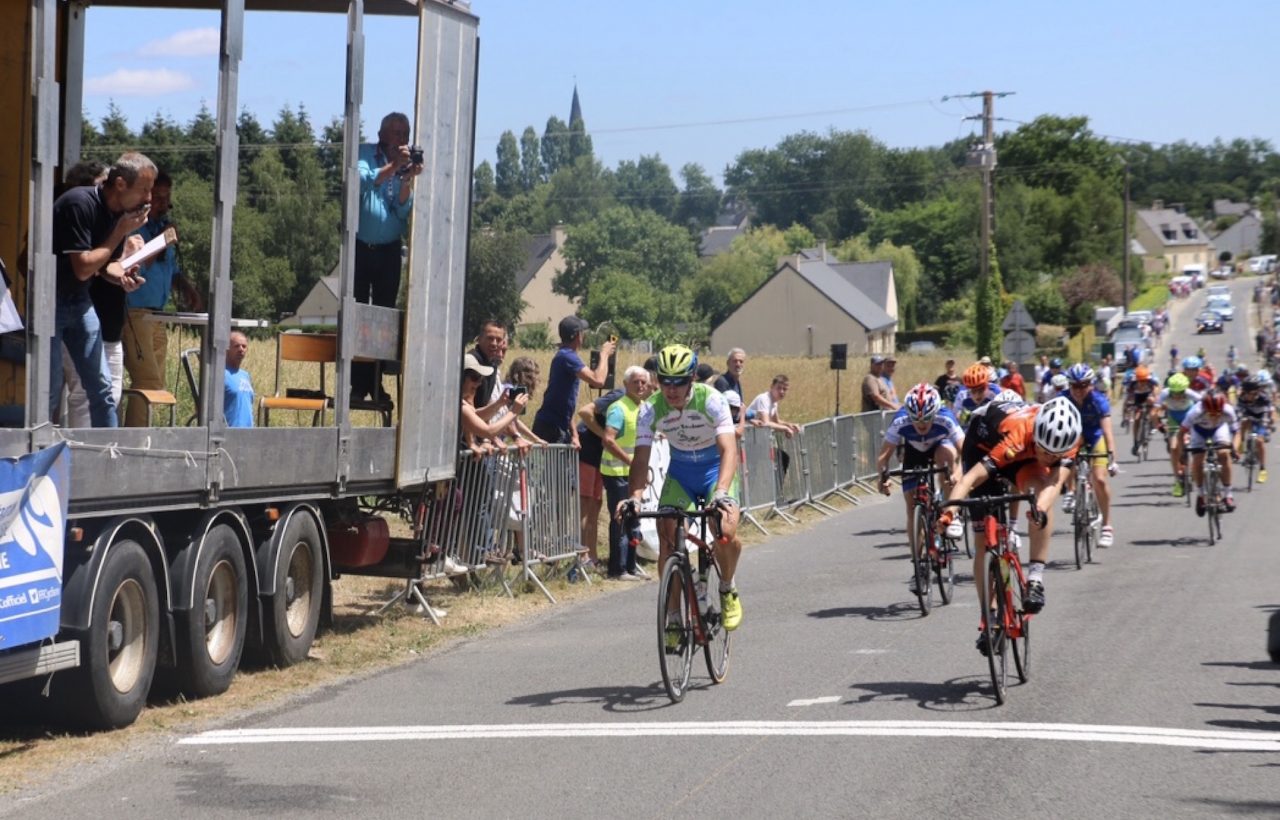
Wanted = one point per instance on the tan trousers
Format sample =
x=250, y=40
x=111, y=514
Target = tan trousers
x=146, y=345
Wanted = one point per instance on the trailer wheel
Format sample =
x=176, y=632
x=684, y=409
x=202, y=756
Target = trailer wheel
x=211, y=633
x=118, y=651
x=294, y=612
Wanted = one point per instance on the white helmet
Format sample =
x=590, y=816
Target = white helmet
x=1057, y=426
x=1008, y=396
x=1060, y=381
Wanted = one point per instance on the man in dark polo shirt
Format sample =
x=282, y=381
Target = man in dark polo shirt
x=90, y=224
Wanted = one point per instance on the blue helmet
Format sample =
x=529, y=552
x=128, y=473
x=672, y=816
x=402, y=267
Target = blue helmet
x=1080, y=372
x=1192, y=363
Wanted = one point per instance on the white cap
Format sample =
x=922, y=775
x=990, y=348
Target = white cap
x=733, y=398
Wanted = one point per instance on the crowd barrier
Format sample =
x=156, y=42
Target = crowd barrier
x=510, y=509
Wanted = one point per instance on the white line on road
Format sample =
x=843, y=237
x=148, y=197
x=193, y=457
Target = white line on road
x=815, y=701
x=1142, y=735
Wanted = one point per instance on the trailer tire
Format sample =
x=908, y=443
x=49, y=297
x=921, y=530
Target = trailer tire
x=118, y=651
x=293, y=612
x=211, y=633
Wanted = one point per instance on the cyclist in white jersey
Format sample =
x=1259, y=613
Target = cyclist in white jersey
x=695, y=419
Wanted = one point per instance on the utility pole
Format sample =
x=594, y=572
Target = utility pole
x=983, y=157
x=1124, y=276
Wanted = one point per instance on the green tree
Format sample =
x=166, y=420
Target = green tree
x=554, y=147
x=530, y=159
x=252, y=138
x=494, y=261
x=162, y=139
x=483, y=185
x=646, y=184
x=507, y=171
x=293, y=135
x=1046, y=305
x=578, y=191
x=639, y=243
x=201, y=140
x=1057, y=152
x=699, y=203
x=579, y=141
x=628, y=301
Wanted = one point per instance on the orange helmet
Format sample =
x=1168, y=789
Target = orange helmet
x=1141, y=373
x=976, y=375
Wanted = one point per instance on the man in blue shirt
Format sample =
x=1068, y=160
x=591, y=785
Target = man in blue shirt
x=237, y=388
x=554, y=420
x=146, y=338
x=386, y=198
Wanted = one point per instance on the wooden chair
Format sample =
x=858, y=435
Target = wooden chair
x=154, y=399
x=321, y=348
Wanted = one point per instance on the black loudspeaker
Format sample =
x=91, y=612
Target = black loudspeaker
x=839, y=357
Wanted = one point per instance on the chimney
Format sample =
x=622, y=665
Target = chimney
x=1157, y=205
x=822, y=251
x=557, y=234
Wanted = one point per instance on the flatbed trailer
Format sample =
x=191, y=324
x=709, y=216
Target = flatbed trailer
x=183, y=545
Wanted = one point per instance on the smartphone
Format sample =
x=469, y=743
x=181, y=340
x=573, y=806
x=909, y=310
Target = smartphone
x=514, y=390
x=613, y=338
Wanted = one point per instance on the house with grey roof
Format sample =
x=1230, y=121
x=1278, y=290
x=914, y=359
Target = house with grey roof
x=543, y=260
x=1173, y=240
x=1225, y=207
x=733, y=221
x=320, y=305
x=1242, y=238
x=806, y=306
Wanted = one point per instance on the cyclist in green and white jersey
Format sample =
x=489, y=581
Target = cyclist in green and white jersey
x=695, y=419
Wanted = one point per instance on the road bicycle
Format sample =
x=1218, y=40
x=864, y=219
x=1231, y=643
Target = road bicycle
x=1249, y=459
x=933, y=553
x=1086, y=518
x=689, y=602
x=1141, y=432
x=1006, y=628
x=1214, y=506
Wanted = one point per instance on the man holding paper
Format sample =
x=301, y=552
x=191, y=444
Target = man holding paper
x=90, y=224
x=146, y=336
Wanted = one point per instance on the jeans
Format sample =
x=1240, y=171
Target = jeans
x=622, y=558
x=377, y=281
x=76, y=327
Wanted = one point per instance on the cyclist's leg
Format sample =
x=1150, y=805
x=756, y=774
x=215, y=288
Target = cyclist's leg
x=1101, y=481
x=1222, y=436
x=945, y=455
x=673, y=495
x=1044, y=482
x=912, y=459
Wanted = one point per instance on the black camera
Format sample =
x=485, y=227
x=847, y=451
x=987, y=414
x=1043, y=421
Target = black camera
x=514, y=390
x=416, y=155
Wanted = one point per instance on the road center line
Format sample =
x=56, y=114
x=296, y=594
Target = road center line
x=1085, y=733
x=815, y=701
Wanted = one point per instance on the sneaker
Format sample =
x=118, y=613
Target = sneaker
x=1034, y=602
x=730, y=609
x=1069, y=503
x=982, y=645
x=1200, y=505
x=1229, y=503
x=636, y=576
x=1262, y=476
x=626, y=576
x=1134, y=451
x=1107, y=537
x=454, y=567
x=639, y=571
x=1177, y=489
x=673, y=638
x=955, y=530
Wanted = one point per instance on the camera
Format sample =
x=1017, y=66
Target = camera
x=416, y=155
x=514, y=390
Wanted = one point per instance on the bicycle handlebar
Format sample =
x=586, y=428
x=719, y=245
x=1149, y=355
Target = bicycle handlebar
x=914, y=472
x=989, y=500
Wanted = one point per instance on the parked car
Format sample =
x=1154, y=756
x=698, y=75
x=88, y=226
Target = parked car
x=1222, y=307
x=1224, y=272
x=1208, y=322
x=1219, y=290
x=924, y=346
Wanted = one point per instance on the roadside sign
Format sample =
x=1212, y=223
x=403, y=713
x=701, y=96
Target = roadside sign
x=33, y=509
x=1019, y=346
x=1019, y=318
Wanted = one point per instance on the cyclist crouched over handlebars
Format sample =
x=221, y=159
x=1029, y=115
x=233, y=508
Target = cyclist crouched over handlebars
x=695, y=419
x=1025, y=445
x=1212, y=422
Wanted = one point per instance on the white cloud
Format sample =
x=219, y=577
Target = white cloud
x=126, y=82
x=191, y=42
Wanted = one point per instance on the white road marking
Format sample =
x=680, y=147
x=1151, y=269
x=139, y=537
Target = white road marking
x=1141, y=735
x=815, y=701
x=870, y=651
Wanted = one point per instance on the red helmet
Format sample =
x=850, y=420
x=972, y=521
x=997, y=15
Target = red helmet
x=1213, y=401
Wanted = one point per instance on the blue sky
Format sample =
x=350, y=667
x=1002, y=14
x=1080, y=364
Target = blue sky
x=697, y=81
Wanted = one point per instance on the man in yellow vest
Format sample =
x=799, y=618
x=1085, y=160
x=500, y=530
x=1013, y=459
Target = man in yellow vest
x=615, y=465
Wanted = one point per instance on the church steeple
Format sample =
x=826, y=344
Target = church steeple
x=575, y=108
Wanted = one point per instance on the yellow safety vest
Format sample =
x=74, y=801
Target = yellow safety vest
x=610, y=464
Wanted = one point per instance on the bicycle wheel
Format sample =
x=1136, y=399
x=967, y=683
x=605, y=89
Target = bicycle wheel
x=1249, y=461
x=716, y=648
x=1080, y=522
x=1211, y=501
x=1019, y=631
x=676, y=661
x=964, y=524
x=920, y=560
x=1095, y=516
x=945, y=567
x=997, y=661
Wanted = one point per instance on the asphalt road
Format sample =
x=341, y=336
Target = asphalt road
x=1150, y=696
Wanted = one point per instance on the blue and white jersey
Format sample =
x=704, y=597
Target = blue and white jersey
x=1196, y=420
x=965, y=403
x=945, y=428
x=1177, y=406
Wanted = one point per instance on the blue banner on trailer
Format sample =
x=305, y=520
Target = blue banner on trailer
x=33, y=514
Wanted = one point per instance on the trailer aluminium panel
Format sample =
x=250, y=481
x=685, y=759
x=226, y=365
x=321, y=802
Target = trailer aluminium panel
x=184, y=545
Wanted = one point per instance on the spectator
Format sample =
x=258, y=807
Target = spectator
x=763, y=410
x=875, y=394
x=705, y=373
x=619, y=444
x=554, y=419
x=491, y=350
x=886, y=375
x=1104, y=376
x=731, y=380
x=1046, y=389
x=948, y=384
x=590, y=436
x=523, y=373
x=146, y=337
x=237, y=387
x=478, y=434
x=1013, y=380
x=1042, y=368
x=387, y=172
x=90, y=224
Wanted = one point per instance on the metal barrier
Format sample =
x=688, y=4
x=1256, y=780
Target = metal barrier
x=551, y=512
x=846, y=448
x=868, y=429
x=820, y=461
x=759, y=491
x=788, y=471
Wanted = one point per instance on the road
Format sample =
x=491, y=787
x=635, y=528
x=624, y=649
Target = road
x=1150, y=696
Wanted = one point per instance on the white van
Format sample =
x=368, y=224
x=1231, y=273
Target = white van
x=1197, y=274
x=1263, y=264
